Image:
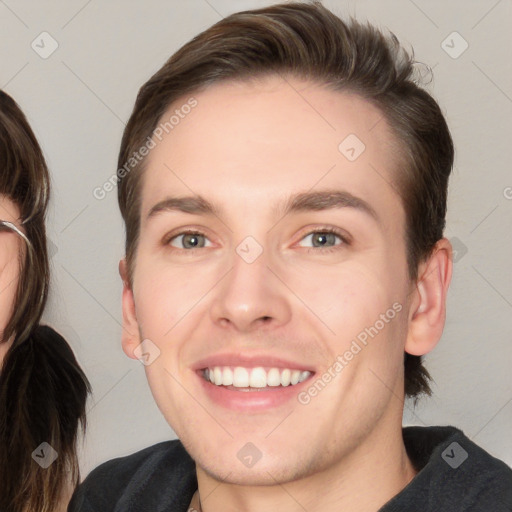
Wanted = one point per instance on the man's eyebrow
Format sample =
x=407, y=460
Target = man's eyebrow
x=306, y=201
x=326, y=200
x=186, y=204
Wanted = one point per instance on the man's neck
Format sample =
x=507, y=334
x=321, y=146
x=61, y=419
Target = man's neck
x=362, y=482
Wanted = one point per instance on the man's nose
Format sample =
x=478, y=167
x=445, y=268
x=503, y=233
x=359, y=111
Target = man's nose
x=251, y=295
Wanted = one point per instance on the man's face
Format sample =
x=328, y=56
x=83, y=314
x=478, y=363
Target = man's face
x=10, y=247
x=263, y=283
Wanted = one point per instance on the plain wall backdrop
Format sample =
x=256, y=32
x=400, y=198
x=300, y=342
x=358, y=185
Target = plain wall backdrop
x=75, y=68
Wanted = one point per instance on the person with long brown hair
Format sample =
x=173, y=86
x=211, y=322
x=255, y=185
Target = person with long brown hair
x=43, y=390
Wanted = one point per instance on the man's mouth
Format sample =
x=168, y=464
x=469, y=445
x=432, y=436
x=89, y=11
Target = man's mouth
x=252, y=379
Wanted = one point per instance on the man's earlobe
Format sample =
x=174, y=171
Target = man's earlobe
x=428, y=306
x=130, y=337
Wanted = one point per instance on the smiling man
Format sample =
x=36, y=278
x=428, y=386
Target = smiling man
x=285, y=271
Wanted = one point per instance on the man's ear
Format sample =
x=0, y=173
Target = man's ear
x=130, y=338
x=427, y=313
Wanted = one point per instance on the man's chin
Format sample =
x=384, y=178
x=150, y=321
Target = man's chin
x=263, y=475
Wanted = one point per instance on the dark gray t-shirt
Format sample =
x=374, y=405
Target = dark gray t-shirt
x=455, y=475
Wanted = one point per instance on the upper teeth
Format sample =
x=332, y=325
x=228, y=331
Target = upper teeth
x=258, y=377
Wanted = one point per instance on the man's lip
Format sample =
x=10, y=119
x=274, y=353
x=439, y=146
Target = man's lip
x=250, y=361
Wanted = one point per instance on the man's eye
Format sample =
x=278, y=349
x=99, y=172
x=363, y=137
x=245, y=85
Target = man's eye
x=189, y=240
x=326, y=238
x=323, y=238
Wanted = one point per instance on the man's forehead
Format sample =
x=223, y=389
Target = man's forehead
x=266, y=134
x=262, y=155
x=308, y=98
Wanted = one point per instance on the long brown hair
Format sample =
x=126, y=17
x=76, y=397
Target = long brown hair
x=309, y=41
x=43, y=390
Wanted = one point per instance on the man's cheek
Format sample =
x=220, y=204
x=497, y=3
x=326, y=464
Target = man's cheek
x=351, y=308
x=161, y=305
x=172, y=392
x=164, y=378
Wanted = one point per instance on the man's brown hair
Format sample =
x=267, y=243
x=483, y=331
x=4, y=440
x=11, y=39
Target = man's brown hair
x=307, y=41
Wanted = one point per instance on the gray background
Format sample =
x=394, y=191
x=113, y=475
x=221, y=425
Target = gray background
x=78, y=99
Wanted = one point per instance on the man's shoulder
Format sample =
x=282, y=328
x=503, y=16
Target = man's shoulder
x=161, y=475
x=125, y=469
x=454, y=473
x=451, y=446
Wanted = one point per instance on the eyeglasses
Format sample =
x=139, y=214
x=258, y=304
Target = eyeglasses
x=16, y=229
x=5, y=225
